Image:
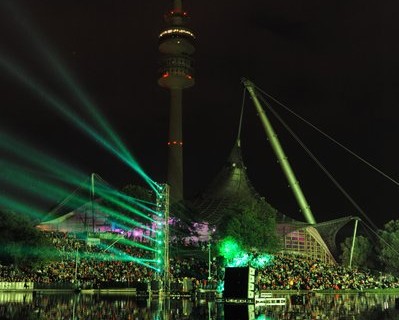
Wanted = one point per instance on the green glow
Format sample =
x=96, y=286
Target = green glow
x=242, y=259
x=220, y=287
x=229, y=248
x=262, y=261
x=235, y=256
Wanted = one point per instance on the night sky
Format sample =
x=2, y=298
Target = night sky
x=334, y=63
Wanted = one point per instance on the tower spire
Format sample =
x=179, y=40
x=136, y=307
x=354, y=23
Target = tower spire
x=175, y=74
x=177, y=5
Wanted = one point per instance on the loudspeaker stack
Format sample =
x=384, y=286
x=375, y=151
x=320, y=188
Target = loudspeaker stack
x=239, y=285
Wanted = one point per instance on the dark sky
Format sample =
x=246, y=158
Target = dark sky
x=333, y=62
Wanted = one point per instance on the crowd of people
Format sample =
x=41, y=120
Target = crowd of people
x=295, y=273
x=111, y=264
x=121, y=265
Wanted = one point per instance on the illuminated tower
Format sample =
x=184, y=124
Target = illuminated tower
x=176, y=74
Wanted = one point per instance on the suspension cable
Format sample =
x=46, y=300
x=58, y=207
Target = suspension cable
x=241, y=116
x=329, y=137
x=314, y=158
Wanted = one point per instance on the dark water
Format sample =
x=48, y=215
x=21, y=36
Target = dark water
x=95, y=306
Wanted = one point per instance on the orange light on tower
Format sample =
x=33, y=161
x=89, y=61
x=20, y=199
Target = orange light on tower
x=175, y=143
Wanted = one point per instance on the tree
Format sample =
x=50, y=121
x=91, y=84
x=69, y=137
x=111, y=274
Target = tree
x=252, y=222
x=389, y=244
x=22, y=243
x=363, y=253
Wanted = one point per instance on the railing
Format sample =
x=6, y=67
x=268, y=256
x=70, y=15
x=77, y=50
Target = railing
x=16, y=285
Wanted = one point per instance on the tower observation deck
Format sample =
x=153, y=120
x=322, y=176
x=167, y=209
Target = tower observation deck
x=175, y=74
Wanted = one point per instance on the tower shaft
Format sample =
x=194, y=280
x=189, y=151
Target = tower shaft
x=175, y=161
x=175, y=74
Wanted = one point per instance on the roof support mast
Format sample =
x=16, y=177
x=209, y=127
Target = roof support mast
x=282, y=158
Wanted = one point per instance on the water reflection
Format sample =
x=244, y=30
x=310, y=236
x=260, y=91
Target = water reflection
x=41, y=305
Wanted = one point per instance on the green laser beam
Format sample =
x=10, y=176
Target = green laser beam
x=135, y=201
x=126, y=257
x=16, y=205
x=123, y=205
x=40, y=160
x=136, y=244
x=61, y=107
x=127, y=220
x=49, y=163
x=50, y=58
x=27, y=181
